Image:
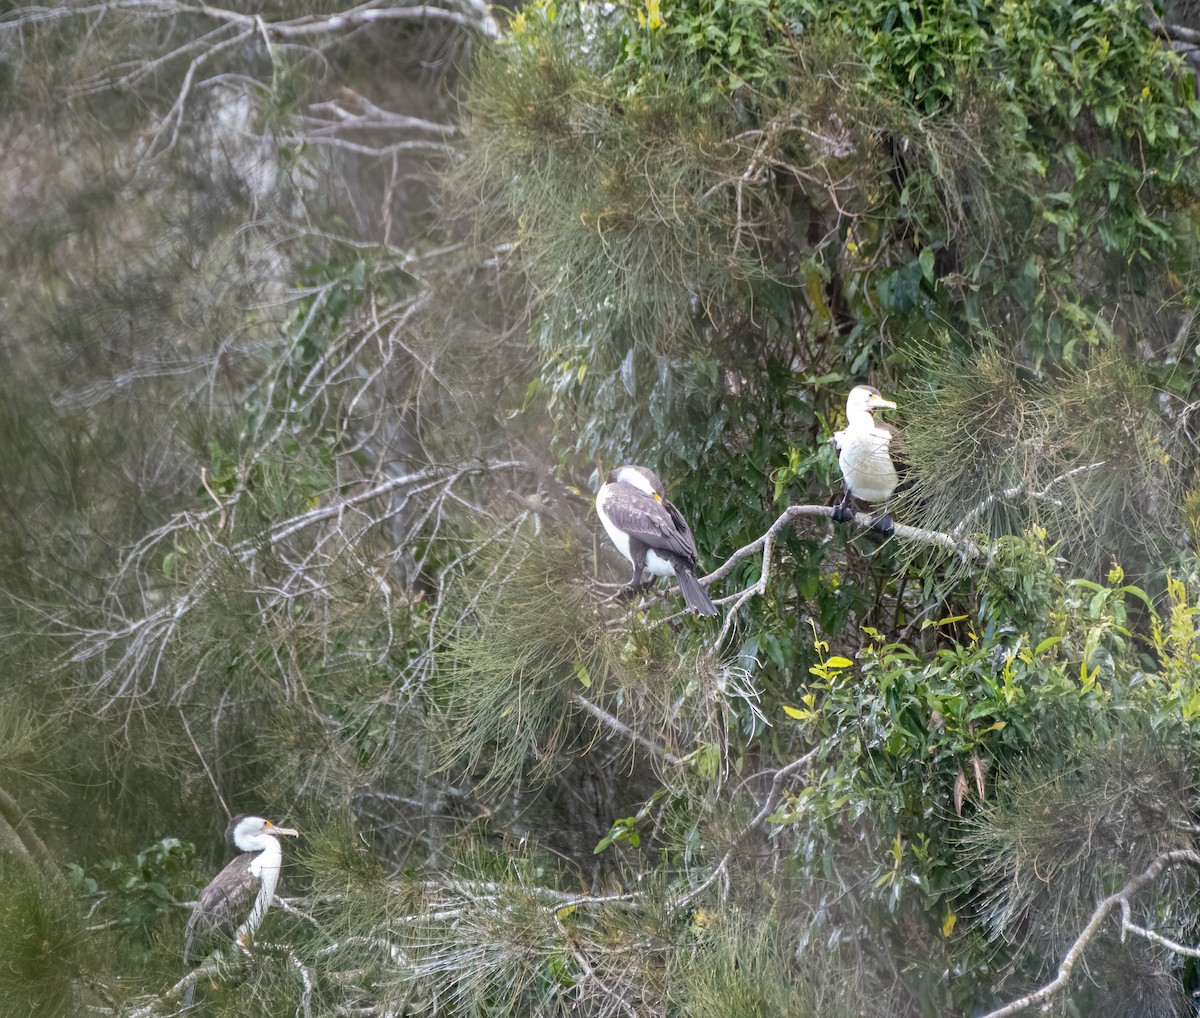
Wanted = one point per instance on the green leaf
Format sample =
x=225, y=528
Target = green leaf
x=1046, y=644
x=1140, y=594
x=926, y=260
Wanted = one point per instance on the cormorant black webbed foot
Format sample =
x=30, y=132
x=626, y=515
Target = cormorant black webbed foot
x=884, y=525
x=631, y=592
x=843, y=512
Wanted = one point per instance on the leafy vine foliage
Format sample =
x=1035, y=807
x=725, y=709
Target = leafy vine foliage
x=318, y=326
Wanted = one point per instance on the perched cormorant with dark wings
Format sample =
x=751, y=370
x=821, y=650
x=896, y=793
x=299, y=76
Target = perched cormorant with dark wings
x=868, y=454
x=651, y=533
x=232, y=906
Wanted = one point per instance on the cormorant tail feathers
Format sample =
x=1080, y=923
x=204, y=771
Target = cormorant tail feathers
x=695, y=595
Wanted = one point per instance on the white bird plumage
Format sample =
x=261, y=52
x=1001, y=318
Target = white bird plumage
x=865, y=455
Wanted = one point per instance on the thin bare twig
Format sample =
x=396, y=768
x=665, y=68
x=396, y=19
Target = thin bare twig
x=204, y=763
x=721, y=869
x=1012, y=492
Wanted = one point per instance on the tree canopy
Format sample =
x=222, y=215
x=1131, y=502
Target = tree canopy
x=322, y=323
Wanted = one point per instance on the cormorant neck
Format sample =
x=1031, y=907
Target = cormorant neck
x=258, y=843
x=270, y=857
x=858, y=419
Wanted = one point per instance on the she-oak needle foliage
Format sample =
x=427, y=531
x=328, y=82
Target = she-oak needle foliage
x=517, y=656
x=317, y=324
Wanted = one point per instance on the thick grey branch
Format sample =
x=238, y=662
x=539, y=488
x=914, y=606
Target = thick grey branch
x=1174, y=33
x=765, y=544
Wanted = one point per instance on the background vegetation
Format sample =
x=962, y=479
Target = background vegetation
x=319, y=324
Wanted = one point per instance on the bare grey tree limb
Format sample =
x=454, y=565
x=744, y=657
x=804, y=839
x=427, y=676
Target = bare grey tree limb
x=765, y=544
x=157, y=1005
x=474, y=16
x=24, y=837
x=624, y=730
x=1015, y=490
x=220, y=31
x=130, y=650
x=1182, y=40
x=1121, y=899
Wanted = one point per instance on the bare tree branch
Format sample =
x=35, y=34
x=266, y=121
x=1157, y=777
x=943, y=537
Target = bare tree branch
x=476, y=17
x=766, y=544
x=1012, y=492
x=623, y=729
x=1181, y=33
x=1166, y=861
x=24, y=836
x=131, y=650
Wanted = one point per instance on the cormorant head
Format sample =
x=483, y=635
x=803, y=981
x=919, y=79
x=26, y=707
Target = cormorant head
x=252, y=834
x=866, y=398
x=641, y=478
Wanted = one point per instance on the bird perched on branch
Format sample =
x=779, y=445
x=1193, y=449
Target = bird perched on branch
x=224, y=911
x=651, y=533
x=869, y=454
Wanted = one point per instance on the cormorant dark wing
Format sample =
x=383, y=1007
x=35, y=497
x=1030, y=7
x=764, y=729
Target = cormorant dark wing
x=898, y=450
x=681, y=526
x=658, y=525
x=221, y=908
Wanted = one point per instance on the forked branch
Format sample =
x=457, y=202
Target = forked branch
x=964, y=547
x=1122, y=899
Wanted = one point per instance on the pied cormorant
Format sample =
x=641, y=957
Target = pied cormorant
x=867, y=454
x=231, y=907
x=651, y=533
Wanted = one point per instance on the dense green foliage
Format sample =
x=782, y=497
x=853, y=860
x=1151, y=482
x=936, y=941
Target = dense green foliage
x=317, y=327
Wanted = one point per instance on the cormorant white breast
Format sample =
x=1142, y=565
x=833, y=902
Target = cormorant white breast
x=867, y=454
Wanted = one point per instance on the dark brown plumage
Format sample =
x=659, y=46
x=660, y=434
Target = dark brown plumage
x=220, y=909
